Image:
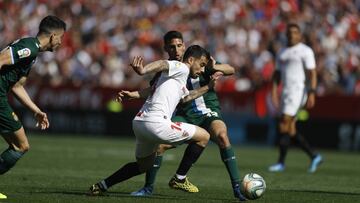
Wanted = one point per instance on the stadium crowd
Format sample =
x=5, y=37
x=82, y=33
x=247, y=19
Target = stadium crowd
x=103, y=35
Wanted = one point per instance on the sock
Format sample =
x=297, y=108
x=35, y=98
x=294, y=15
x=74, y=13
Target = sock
x=191, y=155
x=283, y=146
x=229, y=159
x=127, y=171
x=8, y=159
x=180, y=177
x=151, y=173
x=304, y=145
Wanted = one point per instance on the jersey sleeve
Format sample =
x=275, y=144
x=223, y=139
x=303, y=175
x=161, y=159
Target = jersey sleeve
x=177, y=69
x=309, y=59
x=23, y=49
x=185, y=91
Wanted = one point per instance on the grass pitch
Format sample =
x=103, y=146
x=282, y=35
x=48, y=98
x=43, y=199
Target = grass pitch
x=61, y=169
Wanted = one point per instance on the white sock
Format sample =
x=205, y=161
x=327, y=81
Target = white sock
x=103, y=184
x=180, y=177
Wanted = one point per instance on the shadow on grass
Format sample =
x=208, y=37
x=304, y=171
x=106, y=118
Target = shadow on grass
x=320, y=192
x=127, y=195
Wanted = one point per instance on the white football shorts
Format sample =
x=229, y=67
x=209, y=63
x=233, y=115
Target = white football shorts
x=292, y=100
x=149, y=134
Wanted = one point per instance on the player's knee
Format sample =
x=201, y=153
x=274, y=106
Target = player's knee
x=284, y=127
x=162, y=148
x=24, y=147
x=204, y=139
x=222, y=140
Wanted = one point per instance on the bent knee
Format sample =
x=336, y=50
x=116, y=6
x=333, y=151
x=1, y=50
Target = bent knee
x=162, y=148
x=222, y=140
x=24, y=147
x=204, y=139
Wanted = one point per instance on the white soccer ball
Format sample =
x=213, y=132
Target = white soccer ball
x=253, y=186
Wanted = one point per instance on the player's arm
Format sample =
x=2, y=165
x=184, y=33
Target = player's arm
x=226, y=69
x=274, y=90
x=193, y=94
x=312, y=90
x=5, y=57
x=20, y=93
x=156, y=66
x=129, y=95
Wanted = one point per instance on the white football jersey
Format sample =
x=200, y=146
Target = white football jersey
x=292, y=62
x=167, y=91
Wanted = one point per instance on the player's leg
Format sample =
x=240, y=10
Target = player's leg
x=284, y=129
x=145, y=154
x=218, y=134
x=150, y=176
x=14, y=134
x=18, y=146
x=193, y=151
x=299, y=139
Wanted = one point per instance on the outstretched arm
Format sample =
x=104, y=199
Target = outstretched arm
x=129, y=95
x=156, y=66
x=193, y=94
x=226, y=69
x=21, y=94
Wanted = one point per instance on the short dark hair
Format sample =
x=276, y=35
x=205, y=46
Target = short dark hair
x=196, y=51
x=50, y=23
x=291, y=25
x=172, y=35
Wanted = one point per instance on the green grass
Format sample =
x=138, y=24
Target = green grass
x=61, y=169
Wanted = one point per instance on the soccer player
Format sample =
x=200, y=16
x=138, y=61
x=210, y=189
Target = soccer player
x=152, y=125
x=291, y=65
x=203, y=111
x=15, y=64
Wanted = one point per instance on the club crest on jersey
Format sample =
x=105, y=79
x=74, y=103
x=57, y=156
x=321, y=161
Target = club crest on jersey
x=26, y=52
x=15, y=116
x=177, y=64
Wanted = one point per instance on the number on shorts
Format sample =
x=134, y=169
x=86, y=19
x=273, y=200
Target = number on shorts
x=212, y=114
x=176, y=126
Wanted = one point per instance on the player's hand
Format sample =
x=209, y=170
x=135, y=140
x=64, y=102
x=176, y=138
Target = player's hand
x=42, y=120
x=214, y=78
x=137, y=65
x=124, y=95
x=310, y=101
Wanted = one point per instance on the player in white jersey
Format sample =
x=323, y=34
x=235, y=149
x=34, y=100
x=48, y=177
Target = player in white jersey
x=152, y=125
x=293, y=63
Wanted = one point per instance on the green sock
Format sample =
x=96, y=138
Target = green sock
x=8, y=159
x=151, y=173
x=229, y=159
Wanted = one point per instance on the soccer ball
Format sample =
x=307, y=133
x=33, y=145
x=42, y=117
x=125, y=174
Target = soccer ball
x=253, y=186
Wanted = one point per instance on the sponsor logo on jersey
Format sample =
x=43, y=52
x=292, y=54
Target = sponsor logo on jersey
x=15, y=116
x=23, y=53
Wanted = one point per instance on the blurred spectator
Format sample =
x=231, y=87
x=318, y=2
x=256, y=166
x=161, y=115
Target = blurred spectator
x=104, y=35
